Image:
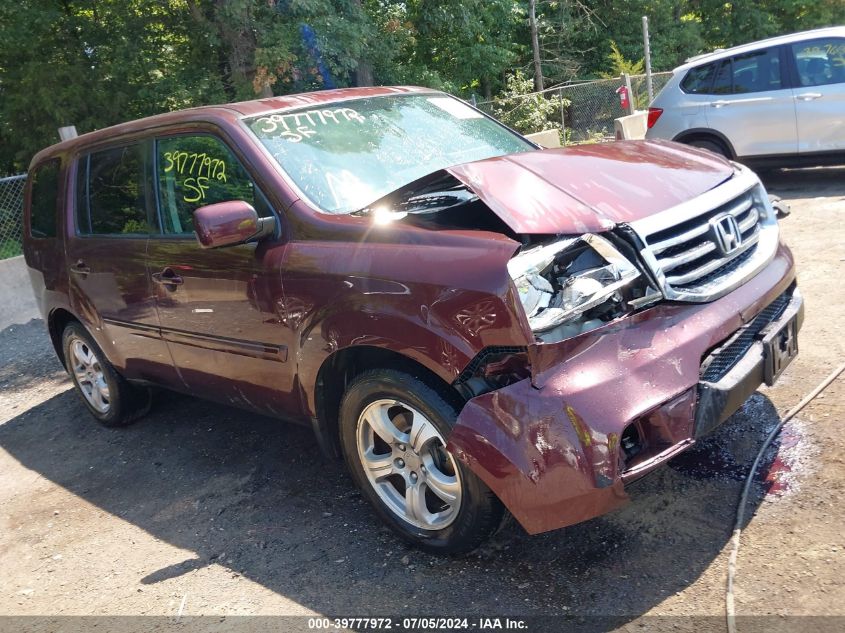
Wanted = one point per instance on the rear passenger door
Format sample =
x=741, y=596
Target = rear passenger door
x=819, y=94
x=752, y=105
x=217, y=308
x=106, y=260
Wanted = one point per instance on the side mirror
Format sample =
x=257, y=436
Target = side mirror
x=229, y=223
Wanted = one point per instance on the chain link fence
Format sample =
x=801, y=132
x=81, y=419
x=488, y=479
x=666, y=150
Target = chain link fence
x=11, y=215
x=582, y=112
x=639, y=88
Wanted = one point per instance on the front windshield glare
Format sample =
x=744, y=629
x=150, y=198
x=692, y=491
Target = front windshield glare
x=346, y=155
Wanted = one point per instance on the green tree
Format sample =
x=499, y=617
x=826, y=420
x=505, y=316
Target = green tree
x=674, y=27
x=266, y=47
x=92, y=64
x=526, y=111
x=464, y=47
x=619, y=65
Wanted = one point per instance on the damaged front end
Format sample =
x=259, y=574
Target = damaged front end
x=567, y=287
x=620, y=378
x=608, y=406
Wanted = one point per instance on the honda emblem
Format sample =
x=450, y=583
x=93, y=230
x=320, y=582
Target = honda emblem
x=725, y=233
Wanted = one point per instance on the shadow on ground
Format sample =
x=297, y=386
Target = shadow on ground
x=806, y=183
x=26, y=356
x=255, y=495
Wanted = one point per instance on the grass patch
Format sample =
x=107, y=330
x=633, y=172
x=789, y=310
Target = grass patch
x=10, y=248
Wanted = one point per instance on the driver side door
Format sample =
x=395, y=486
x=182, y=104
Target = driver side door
x=217, y=308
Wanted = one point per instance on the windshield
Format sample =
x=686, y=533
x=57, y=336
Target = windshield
x=348, y=154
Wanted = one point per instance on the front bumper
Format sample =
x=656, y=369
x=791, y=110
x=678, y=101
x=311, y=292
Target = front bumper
x=608, y=406
x=718, y=399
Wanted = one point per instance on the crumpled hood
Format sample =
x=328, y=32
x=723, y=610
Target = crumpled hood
x=590, y=188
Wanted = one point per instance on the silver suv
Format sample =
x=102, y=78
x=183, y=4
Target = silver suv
x=775, y=102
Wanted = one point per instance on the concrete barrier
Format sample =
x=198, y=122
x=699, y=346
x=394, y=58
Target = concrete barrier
x=546, y=138
x=632, y=126
x=17, y=302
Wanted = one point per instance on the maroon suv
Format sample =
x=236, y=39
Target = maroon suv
x=475, y=324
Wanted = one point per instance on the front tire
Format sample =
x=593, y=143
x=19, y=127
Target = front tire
x=393, y=430
x=109, y=397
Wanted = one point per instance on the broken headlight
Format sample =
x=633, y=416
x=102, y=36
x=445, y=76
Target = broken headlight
x=581, y=282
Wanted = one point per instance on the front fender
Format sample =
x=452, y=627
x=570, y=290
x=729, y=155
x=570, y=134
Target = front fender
x=443, y=333
x=437, y=304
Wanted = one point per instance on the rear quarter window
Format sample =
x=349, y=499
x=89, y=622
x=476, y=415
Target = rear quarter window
x=44, y=199
x=111, y=193
x=699, y=80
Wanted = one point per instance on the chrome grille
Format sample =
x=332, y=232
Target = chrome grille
x=688, y=252
x=706, y=247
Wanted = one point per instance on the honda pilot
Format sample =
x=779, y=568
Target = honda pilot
x=476, y=325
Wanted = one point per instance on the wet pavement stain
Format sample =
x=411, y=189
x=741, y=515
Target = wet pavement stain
x=785, y=465
x=699, y=463
x=780, y=468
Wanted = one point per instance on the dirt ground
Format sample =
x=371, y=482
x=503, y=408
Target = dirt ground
x=201, y=509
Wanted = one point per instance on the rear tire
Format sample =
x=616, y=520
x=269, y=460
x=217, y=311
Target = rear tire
x=711, y=145
x=393, y=432
x=109, y=397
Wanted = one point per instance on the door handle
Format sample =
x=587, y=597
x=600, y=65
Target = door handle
x=167, y=277
x=719, y=104
x=808, y=96
x=79, y=268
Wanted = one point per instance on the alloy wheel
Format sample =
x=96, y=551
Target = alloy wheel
x=89, y=375
x=405, y=460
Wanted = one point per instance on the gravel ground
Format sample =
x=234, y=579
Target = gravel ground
x=202, y=509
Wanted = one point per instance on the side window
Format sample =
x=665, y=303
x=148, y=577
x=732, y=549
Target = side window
x=722, y=83
x=820, y=62
x=194, y=171
x=757, y=71
x=111, y=196
x=698, y=80
x=43, y=199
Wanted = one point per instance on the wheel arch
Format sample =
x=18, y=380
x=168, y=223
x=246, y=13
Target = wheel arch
x=340, y=368
x=57, y=321
x=706, y=134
